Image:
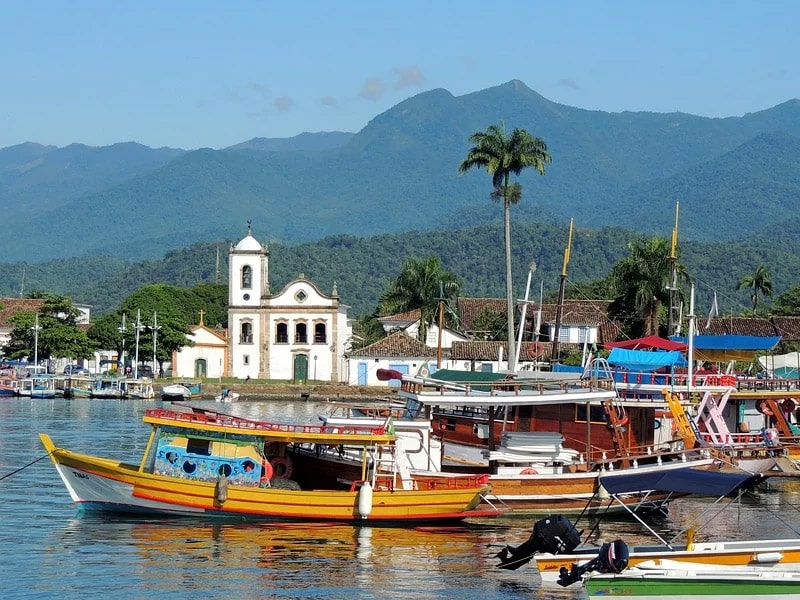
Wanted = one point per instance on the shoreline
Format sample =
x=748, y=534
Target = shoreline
x=316, y=391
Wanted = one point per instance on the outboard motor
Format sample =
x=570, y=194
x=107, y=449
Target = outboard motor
x=555, y=534
x=612, y=558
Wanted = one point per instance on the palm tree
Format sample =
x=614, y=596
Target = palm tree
x=421, y=285
x=501, y=155
x=759, y=282
x=641, y=284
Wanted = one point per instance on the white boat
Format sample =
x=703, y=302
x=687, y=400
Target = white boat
x=227, y=395
x=181, y=391
x=139, y=389
x=38, y=386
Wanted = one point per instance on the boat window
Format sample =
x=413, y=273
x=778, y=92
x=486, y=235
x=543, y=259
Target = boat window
x=596, y=414
x=225, y=470
x=201, y=447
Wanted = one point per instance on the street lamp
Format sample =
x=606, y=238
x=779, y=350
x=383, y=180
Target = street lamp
x=138, y=327
x=122, y=329
x=315, y=367
x=154, y=327
x=36, y=329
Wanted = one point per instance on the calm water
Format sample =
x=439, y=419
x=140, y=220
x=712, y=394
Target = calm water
x=49, y=551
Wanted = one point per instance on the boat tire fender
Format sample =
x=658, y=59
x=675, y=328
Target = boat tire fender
x=281, y=467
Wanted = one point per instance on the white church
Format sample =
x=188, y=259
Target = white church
x=296, y=334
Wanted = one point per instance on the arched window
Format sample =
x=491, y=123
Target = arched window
x=281, y=333
x=301, y=333
x=320, y=334
x=246, y=333
x=247, y=277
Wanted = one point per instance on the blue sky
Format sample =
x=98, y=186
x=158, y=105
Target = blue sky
x=193, y=74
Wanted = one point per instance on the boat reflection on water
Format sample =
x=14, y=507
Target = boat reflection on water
x=248, y=558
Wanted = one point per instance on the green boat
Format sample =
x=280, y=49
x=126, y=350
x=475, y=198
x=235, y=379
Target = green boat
x=664, y=579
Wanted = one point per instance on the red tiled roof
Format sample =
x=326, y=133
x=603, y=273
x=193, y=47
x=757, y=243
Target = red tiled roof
x=396, y=345
x=787, y=327
x=11, y=306
x=755, y=326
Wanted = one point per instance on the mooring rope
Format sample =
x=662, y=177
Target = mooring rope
x=24, y=467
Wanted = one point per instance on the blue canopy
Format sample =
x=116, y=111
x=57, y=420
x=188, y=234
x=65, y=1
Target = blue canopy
x=718, y=348
x=681, y=481
x=644, y=360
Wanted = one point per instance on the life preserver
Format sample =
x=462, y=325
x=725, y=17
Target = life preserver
x=535, y=349
x=529, y=471
x=657, y=424
x=622, y=418
x=267, y=471
x=788, y=405
x=442, y=425
x=282, y=467
x=763, y=408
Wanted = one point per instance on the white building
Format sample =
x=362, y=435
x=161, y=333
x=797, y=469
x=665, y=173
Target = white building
x=296, y=334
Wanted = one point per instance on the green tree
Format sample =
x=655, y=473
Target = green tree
x=58, y=334
x=503, y=155
x=788, y=303
x=421, y=285
x=758, y=282
x=640, y=285
x=490, y=325
x=367, y=330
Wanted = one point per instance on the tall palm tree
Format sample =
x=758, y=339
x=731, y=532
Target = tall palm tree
x=503, y=155
x=422, y=283
x=641, y=283
x=759, y=282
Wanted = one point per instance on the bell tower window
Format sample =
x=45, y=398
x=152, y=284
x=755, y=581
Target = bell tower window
x=247, y=277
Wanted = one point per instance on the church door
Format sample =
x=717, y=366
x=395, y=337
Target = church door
x=300, y=368
x=200, y=368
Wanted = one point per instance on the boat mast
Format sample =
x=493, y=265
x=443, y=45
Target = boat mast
x=560, y=305
x=672, y=286
x=524, y=316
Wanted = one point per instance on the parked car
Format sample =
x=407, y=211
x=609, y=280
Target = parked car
x=76, y=370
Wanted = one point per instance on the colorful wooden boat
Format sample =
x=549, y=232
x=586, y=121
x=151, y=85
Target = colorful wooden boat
x=204, y=463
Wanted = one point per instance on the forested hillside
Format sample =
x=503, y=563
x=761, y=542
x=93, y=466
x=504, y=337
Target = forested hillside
x=362, y=267
x=735, y=177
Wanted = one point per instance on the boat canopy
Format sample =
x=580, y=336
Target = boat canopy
x=652, y=342
x=680, y=481
x=645, y=360
x=783, y=366
x=724, y=348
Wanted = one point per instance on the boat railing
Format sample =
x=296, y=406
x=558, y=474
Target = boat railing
x=418, y=385
x=200, y=417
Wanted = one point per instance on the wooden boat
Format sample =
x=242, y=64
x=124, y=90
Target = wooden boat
x=205, y=463
x=139, y=389
x=108, y=386
x=529, y=471
x=38, y=386
x=9, y=386
x=78, y=386
x=182, y=391
x=656, y=580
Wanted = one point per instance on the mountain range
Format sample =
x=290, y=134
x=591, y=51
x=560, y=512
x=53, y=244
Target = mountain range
x=734, y=177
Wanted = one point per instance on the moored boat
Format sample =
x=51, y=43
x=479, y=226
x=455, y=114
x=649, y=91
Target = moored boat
x=227, y=395
x=181, y=391
x=204, y=463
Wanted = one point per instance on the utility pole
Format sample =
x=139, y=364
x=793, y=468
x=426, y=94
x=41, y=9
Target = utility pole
x=672, y=286
x=122, y=329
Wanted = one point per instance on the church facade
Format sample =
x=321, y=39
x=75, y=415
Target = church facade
x=298, y=333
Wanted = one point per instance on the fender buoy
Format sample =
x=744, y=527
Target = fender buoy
x=529, y=471
x=281, y=467
x=763, y=408
x=267, y=471
x=657, y=424
x=535, y=350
